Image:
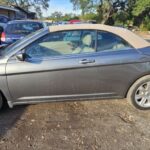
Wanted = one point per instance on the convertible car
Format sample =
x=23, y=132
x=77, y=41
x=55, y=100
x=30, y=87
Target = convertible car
x=76, y=62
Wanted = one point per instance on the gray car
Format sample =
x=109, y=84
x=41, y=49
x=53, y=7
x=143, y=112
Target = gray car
x=76, y=62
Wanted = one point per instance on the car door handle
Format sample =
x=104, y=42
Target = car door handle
x=87, y=61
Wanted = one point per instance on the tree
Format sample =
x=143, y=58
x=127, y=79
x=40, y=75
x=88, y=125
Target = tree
x=107, y=8
x=28, y=4
x=69, y=16
x=121, y=18
x=141, y=6
x=104, y=8
x=141, y=13
x=90, y=16
x=57, y=16
x=81, y=4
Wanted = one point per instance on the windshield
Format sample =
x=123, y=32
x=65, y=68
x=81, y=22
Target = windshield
x=23, y=27
x=7, y=49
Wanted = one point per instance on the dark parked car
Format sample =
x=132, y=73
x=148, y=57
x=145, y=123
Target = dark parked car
x=4, y=20
x=53, y=65
x=18, y=29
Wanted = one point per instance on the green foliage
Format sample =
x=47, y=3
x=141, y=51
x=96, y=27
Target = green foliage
x=121, y=18
x=89, y=16
x=119, y=12
x=58, y=16
x=104, y=9
x=27, y=4
x=146, y=24
x=68, y=17
x=84, y=5
x=141, y=6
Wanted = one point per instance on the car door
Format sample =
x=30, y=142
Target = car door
x=59, y=65
x=118, y=65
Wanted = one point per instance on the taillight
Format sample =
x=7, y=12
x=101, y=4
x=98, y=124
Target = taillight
x=3, y=37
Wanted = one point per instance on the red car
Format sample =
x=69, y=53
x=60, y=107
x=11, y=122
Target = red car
x=74, y=21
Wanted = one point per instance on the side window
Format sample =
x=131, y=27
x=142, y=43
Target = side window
x=109, y=42
x=3, y=19
x=63, y=43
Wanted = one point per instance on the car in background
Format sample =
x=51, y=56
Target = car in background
x=3, y=21
x=92, y=21
x=49, y=23
x=60, y=23
x=74, y=21
x=18, y=29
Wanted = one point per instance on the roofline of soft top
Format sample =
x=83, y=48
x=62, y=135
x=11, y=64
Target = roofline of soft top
x=133, y=39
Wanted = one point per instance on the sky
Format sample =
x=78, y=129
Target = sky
x=59, y=5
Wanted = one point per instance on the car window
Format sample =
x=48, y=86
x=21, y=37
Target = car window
x=3, y=19
x=63, y=43
x=23, y=27
x=110, y=42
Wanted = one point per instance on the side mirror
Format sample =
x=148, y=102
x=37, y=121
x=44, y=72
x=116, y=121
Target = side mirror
x=20, y=56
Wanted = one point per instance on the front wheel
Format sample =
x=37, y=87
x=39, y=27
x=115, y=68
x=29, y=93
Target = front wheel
x=139, y=93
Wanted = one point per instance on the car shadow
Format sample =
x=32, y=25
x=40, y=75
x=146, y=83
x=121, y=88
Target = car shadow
x=9, y=117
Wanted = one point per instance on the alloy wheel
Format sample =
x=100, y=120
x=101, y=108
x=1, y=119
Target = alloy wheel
x=142, y=95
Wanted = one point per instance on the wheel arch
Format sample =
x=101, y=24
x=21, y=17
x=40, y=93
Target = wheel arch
x=132, y=83
x=5, y=99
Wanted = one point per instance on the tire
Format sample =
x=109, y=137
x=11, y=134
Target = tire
x=1, y=101
x=139, y=93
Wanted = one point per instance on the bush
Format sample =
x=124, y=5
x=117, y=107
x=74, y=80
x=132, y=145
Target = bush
x=90, y=16
x=146, y=24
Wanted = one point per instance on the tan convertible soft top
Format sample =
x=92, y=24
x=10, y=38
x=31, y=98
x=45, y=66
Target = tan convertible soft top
x=130, y=37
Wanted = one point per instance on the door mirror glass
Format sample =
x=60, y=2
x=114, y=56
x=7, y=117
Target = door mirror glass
x=20, y=56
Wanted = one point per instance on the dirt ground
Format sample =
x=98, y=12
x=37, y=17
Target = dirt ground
x=86, y=125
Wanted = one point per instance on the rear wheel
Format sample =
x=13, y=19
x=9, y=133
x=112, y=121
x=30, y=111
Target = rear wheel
x=139, y=93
